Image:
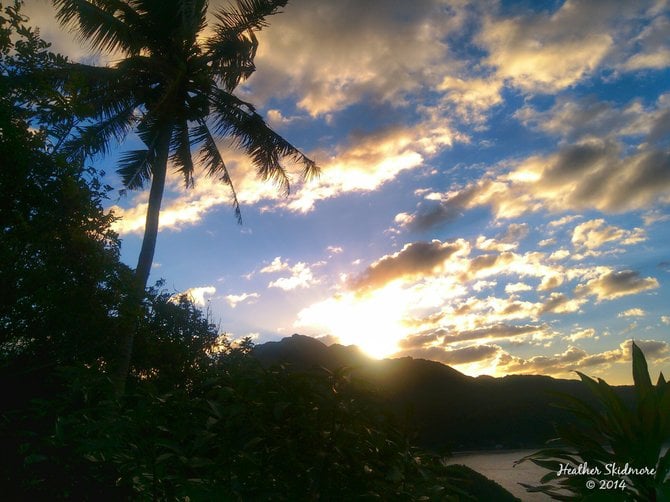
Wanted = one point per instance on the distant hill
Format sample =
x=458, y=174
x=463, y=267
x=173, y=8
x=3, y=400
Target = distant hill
x=305, y=352
x=451, y=411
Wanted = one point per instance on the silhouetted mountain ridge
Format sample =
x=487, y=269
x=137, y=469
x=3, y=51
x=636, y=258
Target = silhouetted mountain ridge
x=450, y=410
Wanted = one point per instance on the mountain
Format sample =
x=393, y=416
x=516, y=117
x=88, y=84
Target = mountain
x=450, y=411
x=305, y=352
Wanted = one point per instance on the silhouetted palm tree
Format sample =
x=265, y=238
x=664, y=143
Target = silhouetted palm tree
x=173, y=85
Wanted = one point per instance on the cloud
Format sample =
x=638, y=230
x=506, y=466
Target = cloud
x=329, y=56
x=576, y=359
x=471, y=98
x=559, y=254
x=582, y=334
x=517, y=287
x=560, y=363
x=654, y=48
x=436, y=346
x=595, y=233
x=545, y=53
x=496, y=331
x=277, y=265
x=370, y=160
x=559, y=303
x=563, y=221
x=588, y=175
x=509, y=240
x=415, y=259
x=334, y=54
x=614, y=284
x=655, y=216
x=43, y=16
x=588, y=117
x=633, y=312
x=195, y=295
x=235, y=300
x=454, y=357
x=301, y=277
x=364, y=163
x=182, y=207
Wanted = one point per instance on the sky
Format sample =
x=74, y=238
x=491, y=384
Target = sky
x=494, y=190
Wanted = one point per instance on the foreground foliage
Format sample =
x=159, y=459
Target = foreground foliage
x=609, y=436
x=62, y=281
x=203, y=420
x=244, y=434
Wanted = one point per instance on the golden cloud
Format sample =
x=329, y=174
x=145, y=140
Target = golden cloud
x=195, y=295
x=595, y=233
x=414, y=260
x=576, y=359
x=542, y=56
x=614, y=284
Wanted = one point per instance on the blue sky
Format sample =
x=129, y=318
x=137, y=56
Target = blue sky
x=494, y=194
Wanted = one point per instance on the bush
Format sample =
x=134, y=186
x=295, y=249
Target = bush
x=608, y=435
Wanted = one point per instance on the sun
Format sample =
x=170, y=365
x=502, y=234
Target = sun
x=372, y=322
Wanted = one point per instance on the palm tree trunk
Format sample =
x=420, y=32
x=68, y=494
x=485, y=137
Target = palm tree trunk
x=146, y=257
x=129, y=317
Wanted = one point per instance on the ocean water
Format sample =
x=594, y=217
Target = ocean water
x=499, y=466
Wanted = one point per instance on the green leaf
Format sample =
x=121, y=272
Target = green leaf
x=36, y=458
x=641, y=377
x=216, y=408
x=162, y=458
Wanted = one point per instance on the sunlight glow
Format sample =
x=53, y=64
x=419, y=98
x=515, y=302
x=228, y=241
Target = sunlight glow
x=374, y=323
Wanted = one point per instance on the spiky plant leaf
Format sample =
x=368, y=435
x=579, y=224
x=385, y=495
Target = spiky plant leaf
x=641, y=377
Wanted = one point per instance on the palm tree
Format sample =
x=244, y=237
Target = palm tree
x=173, y=85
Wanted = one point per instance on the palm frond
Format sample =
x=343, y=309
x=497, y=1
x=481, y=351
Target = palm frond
x=232, y=49
x=109, y=25
x=97, y=93
x=136, y=166
x=96, y=138
x=232, y=59
x=238, y=119
x=193, y=14
x=248, y=15
x=214, y=164
x=181, y=147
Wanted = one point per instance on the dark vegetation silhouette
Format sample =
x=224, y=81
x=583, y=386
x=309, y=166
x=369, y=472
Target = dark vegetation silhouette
x=610, y=432
x=201, y=419
x=175, y=89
